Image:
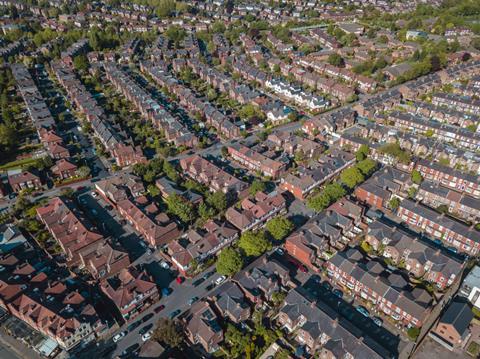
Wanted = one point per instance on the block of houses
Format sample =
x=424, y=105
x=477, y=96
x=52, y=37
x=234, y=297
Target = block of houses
x=256, y=161
x=131, y=291
x=24, y=180
x=388, y=292
x=202, y=327
x=453, y=327
x=64, y=169
x=305, y=179
x=156, y=228
x=205, y=172
x=454, y=234
x=117, y=188
x=255, y=211
x=419, y=258
x=231, y=302
x=321, y=331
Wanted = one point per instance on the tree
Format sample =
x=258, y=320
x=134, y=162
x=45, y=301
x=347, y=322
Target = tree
x=84, y=171
x=279, y=227
x=165, y=8
x=417, y=177
x=153, y=190
x=351, y=177
x=336, y=60
x=218, y=200
x=257, y=186
x=229, y=261
x=362, y=153
x=254, y=243
x=169, y=331
x=394, y=203
x=176, y=34
x=278, y=297
x=80, y=62
x=205, y=212
x=367, y=166
x=8, y=138
x=171, y=172
x=180, y=207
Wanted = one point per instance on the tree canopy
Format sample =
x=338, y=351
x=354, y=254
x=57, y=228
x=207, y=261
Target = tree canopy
x=254, y=243
x=169, y=331
x=279, y=227
x=229, y=261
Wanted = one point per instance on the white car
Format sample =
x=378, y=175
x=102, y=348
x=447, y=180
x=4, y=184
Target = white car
x=119, y=337
x=164, y=265
x=147, y=335
x=220, y=280
x=94, y=194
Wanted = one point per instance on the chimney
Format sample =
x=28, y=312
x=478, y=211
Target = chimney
x=313, y=304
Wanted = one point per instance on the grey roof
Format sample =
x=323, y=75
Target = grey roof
x=459, y=315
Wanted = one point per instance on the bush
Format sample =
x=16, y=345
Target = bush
x=413, y=333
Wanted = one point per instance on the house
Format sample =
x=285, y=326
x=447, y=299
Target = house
x=64, y=169
x=10, y=238
x=453, y=328
x=200, y=244
x=230, y=302
x=256, y=161
x=69, y=227
x=24, y=180
x=470, y=287
x=370, y=280
x=167, y=187
x=452, y=233
x=262, y=278
x=318, y=328
x=395, y=71
x=202, y=327
x=418, y=257
x=131, y=291
x=127, y=155
x=305, y=179
x=213, y=177
x=116, y=188
x=256, y=211
x=158, y=231
x=101, y=260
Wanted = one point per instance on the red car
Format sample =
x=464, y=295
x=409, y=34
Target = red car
x=159, y=308
x=180, y=280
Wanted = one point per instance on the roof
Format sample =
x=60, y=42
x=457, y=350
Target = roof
x=459, y=315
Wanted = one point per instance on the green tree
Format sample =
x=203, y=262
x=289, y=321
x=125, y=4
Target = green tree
x=367, y=166
x=229, y=261
x=417, y=177
x=180, y=207
x=279, y=227
x=336, y=60
x=351, y=177
x=171, y=172
x=80, y=62
x=257, y=186
x=165, y=8
x=176, y=34
x=362, y=152
x=205, y=212
x=394, y=203
x=169, y=331
x=84, y=171
x=254, y=243
x=218, y=200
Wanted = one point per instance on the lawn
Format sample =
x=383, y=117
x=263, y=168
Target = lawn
x=17, y=163
x=473, y=349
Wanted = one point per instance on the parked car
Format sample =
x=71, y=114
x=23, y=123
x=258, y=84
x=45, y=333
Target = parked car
x=167, y=291
x=198, y=282
x=208, y=274
x=210, y=286
x=327, y=285
x=130, y=350
x=192, y=300
x=280, y=251
x=363, y=311
x=147, y=317
x=147, y=335
x=134, y=326
x=145, y=329
x=220, y=280
x=159, y=308
x=378, y=321
x=338, y=293
x=164, y=265
x=119, y=337
x=174, y=313
x=180, y=280
x=94, y=194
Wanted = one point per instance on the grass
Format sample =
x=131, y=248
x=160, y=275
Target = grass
x=473, y=349
x=17, y=163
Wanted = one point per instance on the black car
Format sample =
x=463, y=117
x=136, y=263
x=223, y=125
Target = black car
x=208, y=275
x=210, y=286
x=145, y=329
x=198, y=282
x=147, y=317
x=134, y=326
x=130, y=350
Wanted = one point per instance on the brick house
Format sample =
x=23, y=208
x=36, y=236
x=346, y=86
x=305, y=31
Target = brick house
x=24, y=180
x=64, y=169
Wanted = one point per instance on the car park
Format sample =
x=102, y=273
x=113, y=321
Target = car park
x=363, y=311
x=220, y=280
x=119, y=337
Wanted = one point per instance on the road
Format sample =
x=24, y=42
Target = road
x=178, y=299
